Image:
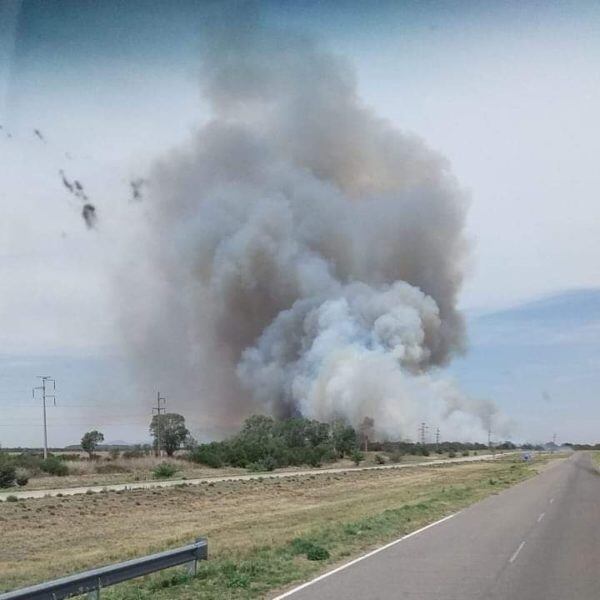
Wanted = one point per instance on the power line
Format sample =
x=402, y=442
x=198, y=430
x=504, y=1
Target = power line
x=45, y=379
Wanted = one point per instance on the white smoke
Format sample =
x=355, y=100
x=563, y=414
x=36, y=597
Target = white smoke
x=301, y=255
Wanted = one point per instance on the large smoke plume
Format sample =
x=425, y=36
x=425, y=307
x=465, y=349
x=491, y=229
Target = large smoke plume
x=301, y=255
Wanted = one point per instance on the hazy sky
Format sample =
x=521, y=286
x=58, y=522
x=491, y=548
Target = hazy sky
x=508, y=92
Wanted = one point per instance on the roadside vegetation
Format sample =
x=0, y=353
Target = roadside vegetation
x=263, y=534
x=262, y=445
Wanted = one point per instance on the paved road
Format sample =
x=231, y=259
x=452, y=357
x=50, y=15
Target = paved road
x=539, y=540
x=71, y=491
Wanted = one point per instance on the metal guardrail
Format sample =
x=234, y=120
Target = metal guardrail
x=91, y=582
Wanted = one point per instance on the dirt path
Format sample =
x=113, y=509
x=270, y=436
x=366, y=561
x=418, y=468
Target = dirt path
x=71, y=491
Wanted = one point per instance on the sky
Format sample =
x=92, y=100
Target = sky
x=508, y=92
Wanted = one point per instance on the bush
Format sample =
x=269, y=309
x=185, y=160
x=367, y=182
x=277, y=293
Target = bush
x=380, y=460
x=54, y=466
x=451, y=454
x=424, y=452
x=357, y=457
x=465, y=453
x=7, y=475
x=114, y=453
x=164, y=471
x=207, y=454
x=311, y=550
x=22, y=477
x=317, y=553
x=266, y=464
x=12, y=499
x=396, y=456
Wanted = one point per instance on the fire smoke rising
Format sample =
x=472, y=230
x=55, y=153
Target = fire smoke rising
x=302, y=256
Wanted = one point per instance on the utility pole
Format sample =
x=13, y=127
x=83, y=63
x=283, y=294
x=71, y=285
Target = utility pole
x=45, y=379
x=158, y=410
x=490, y=439
x=553, y=443
x=422, y=429
x=437, y=439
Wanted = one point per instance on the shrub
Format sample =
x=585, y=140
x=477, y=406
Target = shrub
x=266, y=464
x=317, y=553
x=22, y=477
x=424, y=452
x=465, y=453
x=380, y=460
x=12, y=499
x=396, y=456
x=207, y=454
x=164, y=471
x=7, y=475
x=357, y=457
x=451, y=454
x=54, y=466
x=114, y=453
x=311, y=550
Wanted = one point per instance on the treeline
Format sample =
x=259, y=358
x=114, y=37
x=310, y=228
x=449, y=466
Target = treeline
x=264, y=444
x=415, y=449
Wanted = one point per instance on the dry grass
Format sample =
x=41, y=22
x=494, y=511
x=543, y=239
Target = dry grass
x=122, y=470
x=105, y=471
x=51, y=537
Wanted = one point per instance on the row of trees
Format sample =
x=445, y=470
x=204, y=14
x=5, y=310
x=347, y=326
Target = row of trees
x=265, y=443
x=168, y=431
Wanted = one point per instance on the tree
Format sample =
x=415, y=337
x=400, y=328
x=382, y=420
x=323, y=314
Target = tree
x=90, y=441
x=169, y=432
x=366, y=431
x=344, y=438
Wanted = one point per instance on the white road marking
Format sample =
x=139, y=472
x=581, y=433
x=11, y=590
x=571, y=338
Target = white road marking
x=514, y=556
x=541, y=517
x=551, y=500
x=369, y=554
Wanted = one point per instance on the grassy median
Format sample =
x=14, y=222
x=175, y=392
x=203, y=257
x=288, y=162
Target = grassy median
x=263, y=534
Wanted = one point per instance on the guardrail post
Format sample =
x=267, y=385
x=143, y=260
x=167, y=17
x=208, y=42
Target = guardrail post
x=201, y=553
x=192, y=568
x=94, y=594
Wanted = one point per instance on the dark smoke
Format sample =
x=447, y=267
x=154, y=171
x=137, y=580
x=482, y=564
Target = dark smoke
x=302, y=255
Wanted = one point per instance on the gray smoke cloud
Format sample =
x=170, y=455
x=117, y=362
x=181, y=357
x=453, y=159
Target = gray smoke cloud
x=300, y=255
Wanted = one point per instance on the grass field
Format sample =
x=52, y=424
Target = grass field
x=84, y=473
x=258, y=531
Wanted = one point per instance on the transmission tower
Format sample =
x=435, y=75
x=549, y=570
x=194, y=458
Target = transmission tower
x=159, y=410
x=422, y=432
x=46, y=379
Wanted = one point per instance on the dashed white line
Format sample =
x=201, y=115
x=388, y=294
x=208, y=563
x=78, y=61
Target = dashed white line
x=514, y=556
x=551, y=500
x=541, y=517
x=352, y=562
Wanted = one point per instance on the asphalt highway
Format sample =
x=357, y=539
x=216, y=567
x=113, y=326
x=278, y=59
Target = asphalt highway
x=539, y=540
